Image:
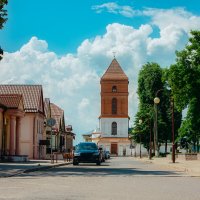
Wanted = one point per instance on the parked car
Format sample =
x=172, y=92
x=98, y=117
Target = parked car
x=103, y=157
x=87, y=152
x=107, y=154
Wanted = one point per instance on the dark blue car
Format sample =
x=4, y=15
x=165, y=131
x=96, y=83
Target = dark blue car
x=87, y=152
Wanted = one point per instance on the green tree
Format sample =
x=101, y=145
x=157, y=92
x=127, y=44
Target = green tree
x=151, y=83
x=184, y=80
x=3, y=19
x=3, y=13
x=142, y=131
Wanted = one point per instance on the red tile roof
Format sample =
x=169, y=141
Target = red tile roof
x=114, y=72
x=32, y=95
x=58, y=114
x=10, y=100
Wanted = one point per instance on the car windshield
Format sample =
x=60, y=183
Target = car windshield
x=87, y=146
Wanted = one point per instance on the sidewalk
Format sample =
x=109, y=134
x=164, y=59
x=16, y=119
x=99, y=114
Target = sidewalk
x=8, y=169
x=190, y=167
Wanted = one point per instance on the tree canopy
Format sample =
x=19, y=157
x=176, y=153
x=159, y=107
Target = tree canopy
x=151, y=83
x=184, y=76
x=184, y=80
x=3, y=18
x=3, y=12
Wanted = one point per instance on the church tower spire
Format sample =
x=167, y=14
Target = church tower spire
x=114, y=72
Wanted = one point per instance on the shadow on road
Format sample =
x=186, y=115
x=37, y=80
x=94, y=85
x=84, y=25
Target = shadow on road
x=90, y=171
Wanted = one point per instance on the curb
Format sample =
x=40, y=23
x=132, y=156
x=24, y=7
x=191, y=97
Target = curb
x=35, y=169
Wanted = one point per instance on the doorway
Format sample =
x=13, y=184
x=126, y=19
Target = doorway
x=114, y=148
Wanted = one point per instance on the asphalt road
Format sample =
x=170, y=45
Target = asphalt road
x=116, y=179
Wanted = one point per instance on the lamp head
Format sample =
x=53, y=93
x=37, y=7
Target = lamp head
x=156, y=100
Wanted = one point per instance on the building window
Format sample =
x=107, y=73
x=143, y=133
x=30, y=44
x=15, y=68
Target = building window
x=114, y=88
x=114, y=128
x=114, y=106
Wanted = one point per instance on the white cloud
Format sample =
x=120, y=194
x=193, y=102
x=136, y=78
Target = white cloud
x=111, y=7
x=73, y=80
x=34, y=45
x=83, y=104
x=174, y=26
x=114, y=8
x=178, y=17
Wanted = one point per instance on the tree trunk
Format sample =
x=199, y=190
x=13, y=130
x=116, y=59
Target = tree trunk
x=166, y=147
x=194, y=146
x=198, y=146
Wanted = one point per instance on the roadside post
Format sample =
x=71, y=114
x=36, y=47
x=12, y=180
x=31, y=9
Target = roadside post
x=51, y=122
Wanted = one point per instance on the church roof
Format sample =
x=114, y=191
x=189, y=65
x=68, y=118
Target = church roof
x=114, y=72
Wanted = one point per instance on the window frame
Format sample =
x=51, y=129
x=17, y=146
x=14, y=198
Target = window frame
x=114, y=88
x=114, y=128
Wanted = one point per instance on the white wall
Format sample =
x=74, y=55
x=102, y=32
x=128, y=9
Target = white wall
x=121, y=147
x=122, y=127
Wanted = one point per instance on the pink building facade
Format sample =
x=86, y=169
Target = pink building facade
x=11, y=114
x=21, y=120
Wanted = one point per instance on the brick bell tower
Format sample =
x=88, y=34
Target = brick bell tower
x=114, y=119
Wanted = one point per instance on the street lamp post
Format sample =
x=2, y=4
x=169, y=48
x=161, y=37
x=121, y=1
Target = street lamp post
x=150, y=147
x=51, y=122
x=140, y=122
x=173, y=145
x=156, y=102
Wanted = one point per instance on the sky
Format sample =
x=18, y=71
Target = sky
x=66, y=46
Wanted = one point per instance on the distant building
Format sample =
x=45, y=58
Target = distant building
x=69, y=138
x=21, y=119
x=87, y=136
x=61, y=136
x=92, y=136
x=58, y=129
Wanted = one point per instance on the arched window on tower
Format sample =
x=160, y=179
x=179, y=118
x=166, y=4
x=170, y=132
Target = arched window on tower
x=114, y=128
x=114, y=106
x=114, y=88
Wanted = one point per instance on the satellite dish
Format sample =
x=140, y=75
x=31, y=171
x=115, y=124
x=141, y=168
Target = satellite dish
x=51, y=122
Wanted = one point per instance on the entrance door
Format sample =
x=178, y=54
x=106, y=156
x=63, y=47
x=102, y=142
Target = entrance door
x=114, y=148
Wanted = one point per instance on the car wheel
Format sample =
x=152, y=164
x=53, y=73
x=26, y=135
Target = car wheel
x=98, y=163
x=75, y=163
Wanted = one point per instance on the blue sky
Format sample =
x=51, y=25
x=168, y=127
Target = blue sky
x=66, y=46
x=65, y=24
